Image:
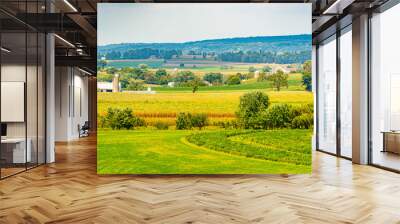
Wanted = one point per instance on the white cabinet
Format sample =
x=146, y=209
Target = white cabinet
x=19, y=155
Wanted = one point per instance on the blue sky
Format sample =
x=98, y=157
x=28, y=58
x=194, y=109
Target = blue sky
x=175, y=23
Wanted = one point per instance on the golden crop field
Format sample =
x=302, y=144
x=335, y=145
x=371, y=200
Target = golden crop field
x=163, y=106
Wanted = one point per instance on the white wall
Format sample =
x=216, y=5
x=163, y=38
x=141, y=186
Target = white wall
x=11, y=73
x=33, y=126
x=71, y=102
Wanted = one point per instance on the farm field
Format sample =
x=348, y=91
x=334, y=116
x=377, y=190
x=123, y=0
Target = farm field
x=198, y=66
x=148, y=151
x=134, y=63
x=218, y=102
x=294, y=84
x=163, y=106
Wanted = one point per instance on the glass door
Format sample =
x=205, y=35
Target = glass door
x=327, y=95
x=346, y=92
x=385, y=89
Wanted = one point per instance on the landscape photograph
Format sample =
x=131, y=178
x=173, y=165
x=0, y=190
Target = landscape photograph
x=204, y=89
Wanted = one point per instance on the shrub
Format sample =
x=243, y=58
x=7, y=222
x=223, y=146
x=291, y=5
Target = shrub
x=250, y=107
x=122, y=119
x=161, y=125
x=304, y=121
x=199, y=120
x=184, y=76
x=213, y=77
x=135, y=85
x=183, y=121
x=102, y=122
x=188, y=121
x=307, y=78
x=233, y=80
x=307, y=82
x=277, y=116
x=297, y=110
x=262, y=76
x=234, y=124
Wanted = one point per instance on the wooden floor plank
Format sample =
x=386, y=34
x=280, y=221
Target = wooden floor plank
x=70, y=191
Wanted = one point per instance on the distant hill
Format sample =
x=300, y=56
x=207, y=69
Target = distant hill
x=296, y=48
x=289, y=43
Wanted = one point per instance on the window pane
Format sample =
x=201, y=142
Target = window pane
x=13, y=86
x=327, y=96
x=41, y=99
x=346, y=94
x=385, y=84
x=31, y=97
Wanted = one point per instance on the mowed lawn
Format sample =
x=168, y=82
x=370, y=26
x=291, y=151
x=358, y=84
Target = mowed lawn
x=150, y=151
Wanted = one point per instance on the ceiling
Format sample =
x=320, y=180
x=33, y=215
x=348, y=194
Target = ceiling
x=75, y=21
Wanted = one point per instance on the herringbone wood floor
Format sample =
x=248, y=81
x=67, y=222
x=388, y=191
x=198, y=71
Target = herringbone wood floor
x=70, y=191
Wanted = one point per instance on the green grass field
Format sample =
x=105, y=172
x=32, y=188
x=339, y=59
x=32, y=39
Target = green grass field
x=134, y=63
x=294, y=85
x=150, y=151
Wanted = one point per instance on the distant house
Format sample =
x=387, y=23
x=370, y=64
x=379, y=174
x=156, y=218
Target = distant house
x=104, y=86
x=276, y=68
x=114, y=86
x=207, y=83
x=171, y=84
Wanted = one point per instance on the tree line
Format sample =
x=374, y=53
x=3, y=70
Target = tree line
x=232, y=56
x=144, y=53
x=134, y=78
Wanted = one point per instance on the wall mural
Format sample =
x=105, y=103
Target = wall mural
x=204, y=89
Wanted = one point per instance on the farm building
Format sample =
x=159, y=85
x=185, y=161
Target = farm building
x=104, y=86
x=171, y=84
x=114, y=86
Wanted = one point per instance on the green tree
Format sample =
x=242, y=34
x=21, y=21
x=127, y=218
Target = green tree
x=307, y=67
x=184, y=76
x=266, y=69
x=233, y=80
x=105, y=77
x=195, y=83
x=279, y=80
x=135, y=85
x=252, y=69
x=184, y=121
x=199, y=120
x=124, y=80
x=103, y=63
x=122, y=119
x=111, y=70
x=251, y=105
x=213, y=77
x=150, y=78
x=262, y=76
x=143, y=66
x=307, y=78
x=161, y=73
x=277, y=116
